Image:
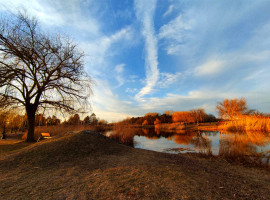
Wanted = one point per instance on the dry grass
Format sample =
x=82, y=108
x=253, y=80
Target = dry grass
x=63, y=129
x=7, y=146
x=170, y=127
x=247, y=123
x=178, y=127
x=123, y=135
x=91, y=166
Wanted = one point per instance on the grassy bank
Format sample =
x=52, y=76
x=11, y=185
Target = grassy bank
x=63, y=129
x=91, y=166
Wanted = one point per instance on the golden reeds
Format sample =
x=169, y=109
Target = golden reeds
x=123, y=135
x=247, y=123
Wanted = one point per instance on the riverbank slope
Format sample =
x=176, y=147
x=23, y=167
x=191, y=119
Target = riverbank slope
x=88, y=165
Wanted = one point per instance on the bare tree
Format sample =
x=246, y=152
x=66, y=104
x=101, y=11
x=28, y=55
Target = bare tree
x=231, y=108
x=198, y=115
x=3, y=123
x=39, y=70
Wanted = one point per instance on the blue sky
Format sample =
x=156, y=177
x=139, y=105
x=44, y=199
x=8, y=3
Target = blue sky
x=158, y=55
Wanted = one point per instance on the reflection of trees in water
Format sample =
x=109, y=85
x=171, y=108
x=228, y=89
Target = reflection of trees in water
x=211, y=133
x=244, y=147
x=202, y=143
x=198, y=139
x=258, y=138
x=157, y=129
x=185, y=139
x=232, y=146
x=152, y=133
x=149, y=133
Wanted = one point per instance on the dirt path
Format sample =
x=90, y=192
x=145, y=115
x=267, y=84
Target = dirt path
x=90, y=166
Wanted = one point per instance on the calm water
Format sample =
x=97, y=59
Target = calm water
x=248, y=147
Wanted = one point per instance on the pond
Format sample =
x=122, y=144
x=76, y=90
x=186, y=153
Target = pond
x=249, y=147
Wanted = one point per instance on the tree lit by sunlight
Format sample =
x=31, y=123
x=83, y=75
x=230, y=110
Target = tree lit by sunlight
x=39, y=70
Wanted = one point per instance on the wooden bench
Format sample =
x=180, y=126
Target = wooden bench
x=44, y=136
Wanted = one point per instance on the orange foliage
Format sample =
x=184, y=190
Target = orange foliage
x=247, y=123
x=183, y=116
x=157, y=121
x=145, y=122
x=231, y=108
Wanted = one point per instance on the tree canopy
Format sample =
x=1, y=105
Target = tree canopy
x=231, y=108
x=39, y=70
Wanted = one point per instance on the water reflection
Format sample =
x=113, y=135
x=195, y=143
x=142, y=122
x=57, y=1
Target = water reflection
x=250, y=147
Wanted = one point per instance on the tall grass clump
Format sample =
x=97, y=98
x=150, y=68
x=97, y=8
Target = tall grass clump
x=247, y=123
x=124, y=135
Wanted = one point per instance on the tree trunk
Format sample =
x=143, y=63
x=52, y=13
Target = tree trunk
x=31, y=111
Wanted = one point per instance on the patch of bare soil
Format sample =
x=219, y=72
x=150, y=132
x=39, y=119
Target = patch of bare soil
x=88, y=165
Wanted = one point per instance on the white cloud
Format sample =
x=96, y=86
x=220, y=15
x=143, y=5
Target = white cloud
x=67, y=13
x=110, y=116
x=98, y=50
x=174, y=34
x=215, y=47
x=145, y=12
x=106, y=102
x=210, y=68
x=119, y=69
x=169, y=10
x=256, y=75
x=166, y=79
x=204, y=99
x=194, y=99
x=232, y=62
x=131, y=90
x=132, y=78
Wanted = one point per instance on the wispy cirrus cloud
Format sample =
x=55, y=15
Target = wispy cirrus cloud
x=169, y=10
x=67, y=13
x=99, y=50
x=174, y=34
x=145, y=13
x=196, y=54
x=166, y=79
x=119, y=69
x=210, y=68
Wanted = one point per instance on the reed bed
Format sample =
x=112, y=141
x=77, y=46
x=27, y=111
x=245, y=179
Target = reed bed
x=124, y=135
x=247, y=123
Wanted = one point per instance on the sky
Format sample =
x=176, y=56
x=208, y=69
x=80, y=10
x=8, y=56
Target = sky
x=157, y=55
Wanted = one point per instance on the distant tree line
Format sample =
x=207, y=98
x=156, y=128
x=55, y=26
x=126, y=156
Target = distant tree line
x=228, y=109
x=192, y=116
x=13, y=122
x=88, y=120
